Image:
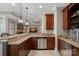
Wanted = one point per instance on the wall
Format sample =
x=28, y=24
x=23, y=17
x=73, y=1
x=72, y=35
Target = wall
x=60, y=30
x=43, y=26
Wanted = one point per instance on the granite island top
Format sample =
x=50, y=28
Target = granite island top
x=16, y=39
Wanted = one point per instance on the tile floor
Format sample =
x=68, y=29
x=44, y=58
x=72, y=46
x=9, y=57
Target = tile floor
x=66, y=52
x=43, y=53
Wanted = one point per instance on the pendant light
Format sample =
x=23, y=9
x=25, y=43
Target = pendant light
x=20, y=21
x=26, y=22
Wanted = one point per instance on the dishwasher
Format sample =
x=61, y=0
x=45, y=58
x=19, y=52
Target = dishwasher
x=41, y=43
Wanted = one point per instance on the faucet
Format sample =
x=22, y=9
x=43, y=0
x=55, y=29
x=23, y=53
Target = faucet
x=5, y=34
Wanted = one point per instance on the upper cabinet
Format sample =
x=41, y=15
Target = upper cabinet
x=66, y=19
x=49, y=21
x=66, y=23
x=71, y=16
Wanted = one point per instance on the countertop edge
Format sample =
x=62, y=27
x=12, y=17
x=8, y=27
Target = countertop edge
x=17, y=42
x=69, y=41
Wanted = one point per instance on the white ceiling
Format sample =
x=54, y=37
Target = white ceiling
x=34, y=11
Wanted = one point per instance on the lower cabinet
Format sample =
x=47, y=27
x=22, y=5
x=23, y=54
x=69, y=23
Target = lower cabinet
x=51, y=43
x=64, y=48
x=19, y=50
x=34, y=43
x=31, y=43
x=60, y=47
x=75, y=51
x=67, y=49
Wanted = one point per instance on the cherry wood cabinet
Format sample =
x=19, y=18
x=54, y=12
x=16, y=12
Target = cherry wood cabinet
x=34, y=42
x=49, y=21
x=62, y=45
x=68, y=12
x=19, y=50
x=30, y=44
x=66, y=21
x=75, y=51
x=59, y=45
x=51, y=43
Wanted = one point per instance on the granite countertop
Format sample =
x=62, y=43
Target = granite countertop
x=15, y=40
x=7, y=38
x=10, y=37
x=69, y=40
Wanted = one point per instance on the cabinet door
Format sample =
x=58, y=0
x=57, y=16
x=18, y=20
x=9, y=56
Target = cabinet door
x=66, y=19
x=49, y=21
x=12, y=50
x=59, y=44
x=75, y=51
x=50, y=43
x=34, y=43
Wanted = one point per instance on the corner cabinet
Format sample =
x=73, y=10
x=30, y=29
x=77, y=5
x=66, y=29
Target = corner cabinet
x=49, y=21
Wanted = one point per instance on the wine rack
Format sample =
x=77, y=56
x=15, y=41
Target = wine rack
x=74, y=21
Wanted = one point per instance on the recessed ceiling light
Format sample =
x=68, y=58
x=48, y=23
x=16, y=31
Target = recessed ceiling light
x=13, y=4
x=40, y=6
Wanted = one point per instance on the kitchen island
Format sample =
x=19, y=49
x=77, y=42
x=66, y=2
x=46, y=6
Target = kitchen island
x=21, y=44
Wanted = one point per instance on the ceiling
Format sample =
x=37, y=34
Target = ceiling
x=34, y=12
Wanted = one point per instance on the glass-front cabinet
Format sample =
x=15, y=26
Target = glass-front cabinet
x=2, y=25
